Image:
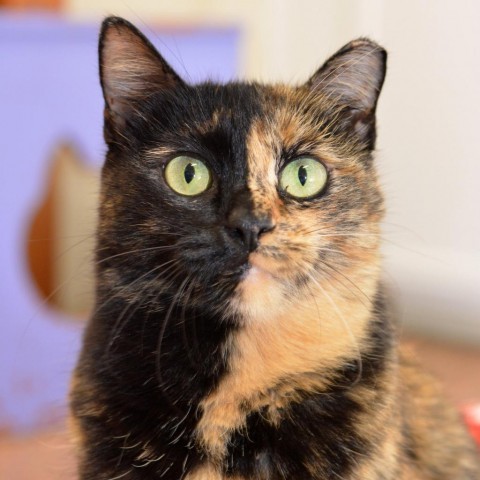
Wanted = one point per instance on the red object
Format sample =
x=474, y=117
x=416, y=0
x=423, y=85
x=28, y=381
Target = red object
x=472, y=417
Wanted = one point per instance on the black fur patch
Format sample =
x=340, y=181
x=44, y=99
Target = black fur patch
x=320, y=430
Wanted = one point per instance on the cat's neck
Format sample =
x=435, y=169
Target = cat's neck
x=214, y=377
x=272, y=357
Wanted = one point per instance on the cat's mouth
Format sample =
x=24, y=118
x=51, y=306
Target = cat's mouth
x=258, y=269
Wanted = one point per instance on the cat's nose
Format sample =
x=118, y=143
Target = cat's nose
x=247, y=227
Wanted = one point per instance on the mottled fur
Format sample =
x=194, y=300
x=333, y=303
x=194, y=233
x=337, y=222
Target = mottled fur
x=209, y=357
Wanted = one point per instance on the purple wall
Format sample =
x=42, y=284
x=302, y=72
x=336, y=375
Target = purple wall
x=49, y=92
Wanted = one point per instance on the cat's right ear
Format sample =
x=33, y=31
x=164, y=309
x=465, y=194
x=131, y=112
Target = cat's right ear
x=353, y=78
x=131, y=69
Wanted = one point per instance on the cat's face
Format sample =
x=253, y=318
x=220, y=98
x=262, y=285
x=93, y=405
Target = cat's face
x=241, y=197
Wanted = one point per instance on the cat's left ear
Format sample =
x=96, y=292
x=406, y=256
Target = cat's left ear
x=353, y=78
x=131, y=69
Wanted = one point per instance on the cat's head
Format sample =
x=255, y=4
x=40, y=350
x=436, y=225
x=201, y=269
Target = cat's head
x=239, y=197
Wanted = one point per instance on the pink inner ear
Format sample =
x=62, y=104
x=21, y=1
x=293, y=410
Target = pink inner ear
x=131, y=68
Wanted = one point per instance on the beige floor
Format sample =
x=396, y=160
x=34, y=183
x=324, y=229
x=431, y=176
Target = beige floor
x=48, y=455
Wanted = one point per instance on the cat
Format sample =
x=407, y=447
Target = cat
x=241, y=328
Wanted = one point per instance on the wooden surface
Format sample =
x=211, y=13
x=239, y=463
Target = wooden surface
x=46, y=456
x=49, y=455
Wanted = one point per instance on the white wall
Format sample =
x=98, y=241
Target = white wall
x=428, y=124
x=431, y=162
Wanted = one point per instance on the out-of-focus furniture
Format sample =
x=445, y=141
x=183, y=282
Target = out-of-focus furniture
x=49, y=94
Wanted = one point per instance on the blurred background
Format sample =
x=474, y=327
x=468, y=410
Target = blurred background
x=51, y=150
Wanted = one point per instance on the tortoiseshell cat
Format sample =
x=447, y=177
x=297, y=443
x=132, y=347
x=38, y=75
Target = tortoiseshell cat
x=241, y=329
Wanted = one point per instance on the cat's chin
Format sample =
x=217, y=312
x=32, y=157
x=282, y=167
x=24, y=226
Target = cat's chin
x=257, y=271
x=259, y=293
x=256, y=275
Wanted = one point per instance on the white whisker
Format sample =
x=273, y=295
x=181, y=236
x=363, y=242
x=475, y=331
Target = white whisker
x=345, y=324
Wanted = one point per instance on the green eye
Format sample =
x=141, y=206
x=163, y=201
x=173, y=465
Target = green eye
x=187, y=176
x=303, y=178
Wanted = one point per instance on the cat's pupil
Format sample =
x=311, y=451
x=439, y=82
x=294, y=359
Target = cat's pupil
x=302, y=175
x=189, y=173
